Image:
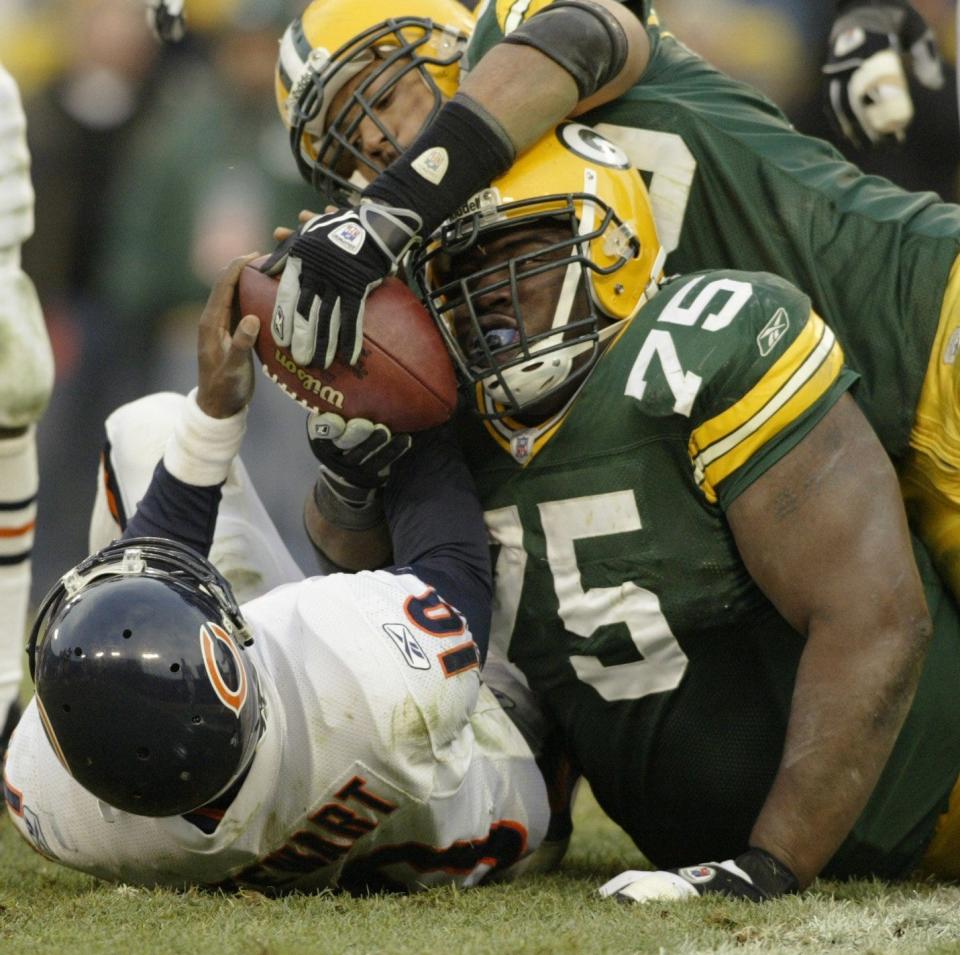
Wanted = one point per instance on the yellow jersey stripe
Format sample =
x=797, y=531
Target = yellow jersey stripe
x=802, y=375
x=719, y=427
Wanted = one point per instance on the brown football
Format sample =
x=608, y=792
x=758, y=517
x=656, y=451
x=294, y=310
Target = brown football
x=403, y=378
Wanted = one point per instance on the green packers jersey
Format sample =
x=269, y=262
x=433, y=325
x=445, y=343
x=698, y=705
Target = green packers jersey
x=733, y=185
x=622, y=597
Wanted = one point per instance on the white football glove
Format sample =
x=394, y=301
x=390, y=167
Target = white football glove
x=755, y=875
x=867, y=89
x=166, y=19
x=330, y=265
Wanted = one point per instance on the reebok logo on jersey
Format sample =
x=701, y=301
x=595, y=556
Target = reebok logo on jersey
x=773, y=331
x=349, y=237
x=432, y=164
x=407, y=644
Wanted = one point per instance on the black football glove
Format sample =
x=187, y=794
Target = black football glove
x=166, y=19
x=868, y=96
x=355, y=459
x=332, y=264
x=337, y=259
x=755, y=875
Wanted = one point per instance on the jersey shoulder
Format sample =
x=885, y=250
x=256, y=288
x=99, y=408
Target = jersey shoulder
x=744, y=358
x=372, y=642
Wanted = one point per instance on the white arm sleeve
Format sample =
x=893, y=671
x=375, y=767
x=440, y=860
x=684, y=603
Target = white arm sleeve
x=16, y=191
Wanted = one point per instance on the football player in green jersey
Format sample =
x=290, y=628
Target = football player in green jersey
x=579, y=53
x=733, y=185
x=703, y=564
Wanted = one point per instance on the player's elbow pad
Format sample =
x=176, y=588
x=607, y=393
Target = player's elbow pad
x=587, y=40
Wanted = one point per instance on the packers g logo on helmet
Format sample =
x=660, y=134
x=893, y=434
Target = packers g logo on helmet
x=574, y=177
x=332, y=43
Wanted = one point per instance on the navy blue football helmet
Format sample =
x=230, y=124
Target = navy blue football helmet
x=142, y=682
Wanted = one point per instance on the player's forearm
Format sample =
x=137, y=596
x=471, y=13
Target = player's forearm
x=525, y=91
x=183, y=499
x=349, y=548
x=851, y=696
x=838, y=564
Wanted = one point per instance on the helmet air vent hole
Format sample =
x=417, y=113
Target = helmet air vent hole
x=66, y=707
x=196, y=719
x=174, y=667
x=143, y=753
x=127, y=634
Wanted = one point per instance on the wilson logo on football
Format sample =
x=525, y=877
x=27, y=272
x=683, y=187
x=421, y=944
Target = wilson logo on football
x=232, y=698
x=324, y=392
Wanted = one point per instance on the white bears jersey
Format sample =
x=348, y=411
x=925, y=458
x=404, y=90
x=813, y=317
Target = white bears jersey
x=385, y=763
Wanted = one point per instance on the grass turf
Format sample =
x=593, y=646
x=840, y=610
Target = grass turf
x=46, y=908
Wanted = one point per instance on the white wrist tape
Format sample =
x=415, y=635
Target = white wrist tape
x=201, y=449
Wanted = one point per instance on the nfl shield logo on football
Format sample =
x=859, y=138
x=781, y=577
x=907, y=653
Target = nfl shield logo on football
x=521, y=446
x=349, y=237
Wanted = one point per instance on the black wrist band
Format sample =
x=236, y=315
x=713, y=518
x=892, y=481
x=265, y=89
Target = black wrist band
x=346, y=516
x=457, y=155
x=768, y=873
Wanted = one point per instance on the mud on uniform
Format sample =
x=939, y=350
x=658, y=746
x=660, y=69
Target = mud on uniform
x=385, y=763
x=733, y=185
x=623, y=599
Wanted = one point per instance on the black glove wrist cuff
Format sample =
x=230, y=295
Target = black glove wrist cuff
x=351, y=517
x=580, y=36
x=458, y=154
x=768, y=873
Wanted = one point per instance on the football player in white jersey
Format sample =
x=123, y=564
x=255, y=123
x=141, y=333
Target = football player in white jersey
x=26, y=380
x=332, y=732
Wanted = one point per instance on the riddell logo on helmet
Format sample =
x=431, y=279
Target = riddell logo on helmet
x=324, y=392
x=232, y=698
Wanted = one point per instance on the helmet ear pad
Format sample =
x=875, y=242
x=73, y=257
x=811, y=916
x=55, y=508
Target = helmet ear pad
x=145, y=695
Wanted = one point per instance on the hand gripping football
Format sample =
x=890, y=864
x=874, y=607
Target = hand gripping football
x=403, y=378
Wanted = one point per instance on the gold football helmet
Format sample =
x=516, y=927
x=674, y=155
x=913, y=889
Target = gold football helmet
x=334, y=41
x=606, y=262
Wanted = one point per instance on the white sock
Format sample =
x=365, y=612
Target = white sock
x=18, y=510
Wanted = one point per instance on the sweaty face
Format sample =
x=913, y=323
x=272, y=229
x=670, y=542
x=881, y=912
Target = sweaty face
x=507, y=290
x=378, y=114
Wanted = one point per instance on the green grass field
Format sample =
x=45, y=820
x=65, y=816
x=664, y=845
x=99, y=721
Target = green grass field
x=45, y=908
